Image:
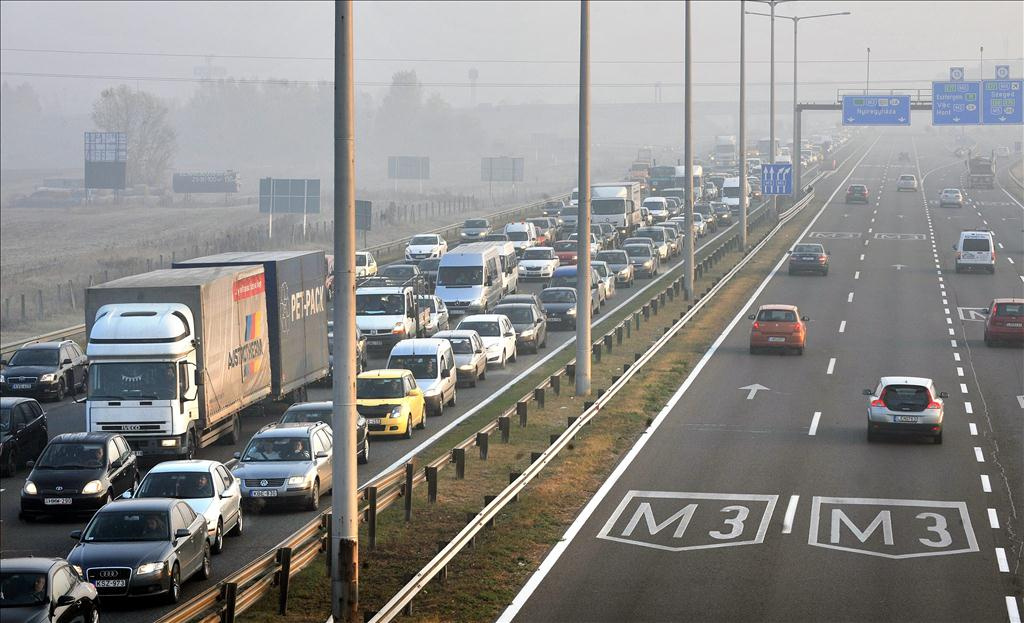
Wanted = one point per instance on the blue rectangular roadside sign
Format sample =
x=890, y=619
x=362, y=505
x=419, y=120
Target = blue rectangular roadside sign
x=956, y=103
x=777, y=179
x=1001, y=102
x=876, y=110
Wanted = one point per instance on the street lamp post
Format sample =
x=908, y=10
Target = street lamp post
x=981, y=63
x=867, y=77
x=744, y=195
x=771, y=90
x=583, y=301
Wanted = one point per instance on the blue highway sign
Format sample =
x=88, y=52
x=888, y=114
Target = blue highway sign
x=777, y=179
x=876, y=110
x=956, y=103
x=1001, y=102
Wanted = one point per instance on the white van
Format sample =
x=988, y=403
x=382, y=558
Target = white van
x=470, y=279
x=731, y=194
x=574, y=198
x=975, y=249
x=658, y=207
x=509, y=266
x=432, y=364
x=522, y=235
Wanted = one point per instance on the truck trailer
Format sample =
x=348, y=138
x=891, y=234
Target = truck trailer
x=981, y=172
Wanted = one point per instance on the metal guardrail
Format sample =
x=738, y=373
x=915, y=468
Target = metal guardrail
x=60, y=334
x=1013, y=178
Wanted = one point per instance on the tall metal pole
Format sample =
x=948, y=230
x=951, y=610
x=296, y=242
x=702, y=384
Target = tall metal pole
x=795, y=152
x=771, y=104
x=867, y=77
x=981, y=63
x=688, y=285
x=344, y=509
x=583, y=219
x=743, y=128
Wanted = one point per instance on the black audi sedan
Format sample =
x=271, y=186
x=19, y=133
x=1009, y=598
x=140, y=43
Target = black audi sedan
x=45, y=590
x=78, y=473
x=23, y=433
x=143, y=547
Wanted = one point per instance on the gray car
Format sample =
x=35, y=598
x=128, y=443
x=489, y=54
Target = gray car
x=470, y=355
x=474, y=229
x=643, y=258
x=529, y=322
x=905, y=405
x=559, y=305
x=286, y=463
x=618, y=263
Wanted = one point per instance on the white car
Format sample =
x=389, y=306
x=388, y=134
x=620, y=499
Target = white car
x=497, y=333
x=366, y=266
x=607, y=282
x=208, y=487
x=438, y=313
x=538, y=263
x=425, y=246
x=906, y=182
x=951, y=197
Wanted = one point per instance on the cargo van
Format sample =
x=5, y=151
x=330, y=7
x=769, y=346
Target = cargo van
x=509, y=266
x=432, y=364
x=975, y=249
x=470, y=279
x=522, y=235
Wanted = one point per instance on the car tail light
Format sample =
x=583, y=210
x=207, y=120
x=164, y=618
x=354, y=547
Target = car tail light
x=880, y=401
x=757, y=326
x=822, y=258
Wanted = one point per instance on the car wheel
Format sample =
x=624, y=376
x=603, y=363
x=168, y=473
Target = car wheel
x=988, y=340
x=10, y=464
x=544, y=342
x=174, y=590
x=483, y=372
x=314, y=496
x=218, y=538
x=440, y=407
x=791, y=271
x=61, y=390
x=364, y=454
x=937, y=439
x=957, y=268
x=239, y=524
x=85, y=382
x=824, y=273
x=205, y=569
x=504, y=360
x=452, y=402
x=408, y=426
x=753, y=350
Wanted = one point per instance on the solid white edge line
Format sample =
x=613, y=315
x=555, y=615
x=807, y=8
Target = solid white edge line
x=1004, y=566
x=993, y=519
x=814, y=424
x=559, y=548
x=787, y=521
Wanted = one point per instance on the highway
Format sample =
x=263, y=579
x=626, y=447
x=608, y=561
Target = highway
x=49, y=537
x=774, y=506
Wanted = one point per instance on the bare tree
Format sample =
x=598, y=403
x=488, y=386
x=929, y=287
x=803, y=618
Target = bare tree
x=143, y=117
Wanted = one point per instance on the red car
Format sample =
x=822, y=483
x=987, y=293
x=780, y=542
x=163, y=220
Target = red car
x=778, y=327
x=1005, y=322
x=566, y=252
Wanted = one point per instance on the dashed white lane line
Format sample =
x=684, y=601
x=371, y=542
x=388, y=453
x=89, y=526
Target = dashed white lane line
x=1000, y=245
x=849, y=298
x=1020, y=401
x=945, y=302
x=941, y=279
x=979, y=455
x=1012, y=613
x=974, y=429
x=856, y=275
x=862, y=257
x=813, y=430
x=1001, y=558
x=1010, y=260
x=959, y=371
x=993, y=519
x=986, y=485
x=956, y=356
x=842, y=326
x=968, y=408
x=952, y=343
x=949, y=321
x=945, y=310
x=871, y=230
x=866, y=243
x=963, y=388
x=831, y=366
x=787, y=521
x=951, y=332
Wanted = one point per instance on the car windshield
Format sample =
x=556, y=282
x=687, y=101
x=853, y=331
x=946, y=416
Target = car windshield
x=1009, y=309
x=421, y=366
x=72, y=456
x=399, y=273
x=377, y=388
x=638, y=250
x=181, y=485
x=461, y=345
x=602, y=269
x=732, y=192
x=119, y=526
x=565, y=245
x=475, y=223
x=460, y=275
x=607, y=206
x=656, y=235
x=22, y=588
x=360, y=259
x=423, y=240
x=906, y=397
x=517, y=236
x=858, y=189
x=777, y=315
x=976, y=244
x=613, y=257
x=304, y=416
x=429, y=265
x=539, y=254
x=906, y=178
x=518, y=314
x=428, y=302
x=808, y=248
x=571, y=211
x=484, y=329
x=558, y=296
x=379, y=304
x=46, y=357
x=264, y=449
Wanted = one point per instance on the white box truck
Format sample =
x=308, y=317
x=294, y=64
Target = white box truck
x=617, y=203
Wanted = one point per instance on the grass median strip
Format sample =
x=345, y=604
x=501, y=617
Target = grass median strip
x=484, y=579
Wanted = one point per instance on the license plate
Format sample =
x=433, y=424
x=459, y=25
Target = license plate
x=110, y=583
x=374, y=342
x=57, y=501
x=374, y=420
x=137, y=452
x=21, y=386
x=776, y=339
x=1014, y=324
x=263, y=493
x=906, y=418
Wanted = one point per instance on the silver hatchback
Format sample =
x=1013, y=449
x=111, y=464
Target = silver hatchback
x=906, y=182
x=905, y=405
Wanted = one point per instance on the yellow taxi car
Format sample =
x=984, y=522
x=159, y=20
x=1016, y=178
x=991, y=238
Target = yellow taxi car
x=391, y=402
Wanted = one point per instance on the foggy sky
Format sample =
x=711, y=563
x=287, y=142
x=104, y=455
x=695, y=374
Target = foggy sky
x=393, y=36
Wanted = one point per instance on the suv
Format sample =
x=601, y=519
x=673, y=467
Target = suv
x=286, y=463
x=857, y=193
x=975, y=249
x=45, y=369
x=951, y=197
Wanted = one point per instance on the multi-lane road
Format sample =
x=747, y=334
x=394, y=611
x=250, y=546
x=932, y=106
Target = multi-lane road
x=775, y=506
x=264, y=530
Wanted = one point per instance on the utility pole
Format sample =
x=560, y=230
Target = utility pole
x=771, y=106
x=867, y=77
x=744, y=195
x=344, y=546
x=688, y=287
x=583, y=209
x=981, y=63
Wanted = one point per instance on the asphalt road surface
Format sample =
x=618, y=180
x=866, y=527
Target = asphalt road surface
x=774, y=507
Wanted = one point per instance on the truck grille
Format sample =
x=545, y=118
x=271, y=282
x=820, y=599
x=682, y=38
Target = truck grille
x=22, y=379
x=130, y=427
x=264, y=482
x=101, y=576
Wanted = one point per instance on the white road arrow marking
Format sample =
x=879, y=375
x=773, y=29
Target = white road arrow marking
x=753, y=389
x=1020, y=401
x=899, y=266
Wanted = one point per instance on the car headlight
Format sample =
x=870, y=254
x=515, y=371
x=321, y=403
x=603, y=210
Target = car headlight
x=433, y=391
x=30, y=487
x=296, y=481
x=93, y=486
x=396, y=412
x=466, y=368
x=47, y=378
x=648, y=263
x=571, y=311
x=360, y=421
x=398, y=328
x=168, y=443
x=527, y=334
x=624, y=272
x=150, y=567
x=3, y=379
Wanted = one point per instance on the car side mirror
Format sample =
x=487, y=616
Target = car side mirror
x=3, y=362
x=446, y=373
x=943, y=395
x=199, y=378
x=867, y=392
x=416, y=391
x=76, y=535
x=489, y=282
x=479, y=351
x=750, y=317
x=182, y=533
x=538, y=321
x=66, y=362
x=127, y=495
x=323, y=454
x=237, y=455
x=65, y=600
x=510, y=334
x=225, y=494
x=805, y=318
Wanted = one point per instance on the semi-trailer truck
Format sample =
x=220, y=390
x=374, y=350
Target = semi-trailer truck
x=982, y=172
x=177, y=354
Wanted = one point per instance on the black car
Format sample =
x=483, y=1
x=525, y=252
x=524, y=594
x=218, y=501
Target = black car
x=23, y=433
x=45, y=369
x=644, y=259
x=553, y=208
x=530, y=324
x=142, y=548
x=675, y=206
x=857, y=193
x=38, y=590
x=708, y=213
x=559, y=306
x=78, y=473
x=428, y=268
x=722, y=212
x=399, y=273
x=808, y=258
x=303, y=412
x=361, y=356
